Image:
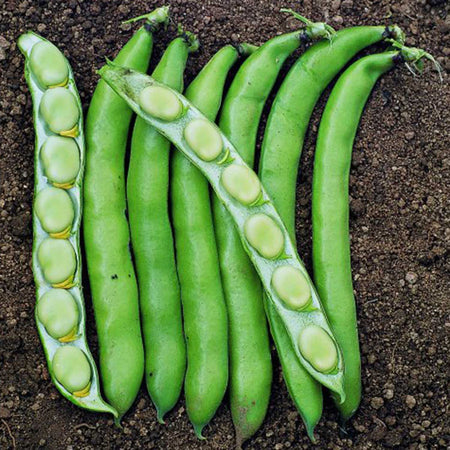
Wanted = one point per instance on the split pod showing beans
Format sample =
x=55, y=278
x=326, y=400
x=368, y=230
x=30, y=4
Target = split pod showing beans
x=280, y=154
x=250, y=358
x=59, y=162
x=260, y=227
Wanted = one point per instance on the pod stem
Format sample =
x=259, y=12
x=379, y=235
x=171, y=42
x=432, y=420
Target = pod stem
x=413, y=58
x=394, y=32
x=245, y=49
x=313, y=30
x=189, y=37
x=153, y=19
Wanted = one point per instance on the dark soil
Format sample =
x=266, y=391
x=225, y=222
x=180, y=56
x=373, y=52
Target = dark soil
x=400, y=233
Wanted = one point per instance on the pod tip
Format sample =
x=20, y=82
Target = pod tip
x=198, y=431
x=160, y=416
x=117, y=420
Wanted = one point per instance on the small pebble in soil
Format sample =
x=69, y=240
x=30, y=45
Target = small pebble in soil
x=411, y=277
x=4, y=413
x=410, y=401
x=376, y=402
x=388, y=394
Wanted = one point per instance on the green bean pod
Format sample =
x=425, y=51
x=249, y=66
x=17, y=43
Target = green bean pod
x=106, y=233
x=260, y=227
x=330, y=211
x=60, y=312
x=250, y=360
x=197, y=259
x=280, y=154
x=153, y=247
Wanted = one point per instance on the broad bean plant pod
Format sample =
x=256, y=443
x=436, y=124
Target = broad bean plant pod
x=260, y=227
x=59, y=163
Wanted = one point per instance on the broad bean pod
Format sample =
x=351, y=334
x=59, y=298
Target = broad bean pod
x=250, y=360
x=330, y=210
x=260, y=227
x=106, y=233
x=58, y=179
x=197, y=259
x=280, y=154
x=153, y=246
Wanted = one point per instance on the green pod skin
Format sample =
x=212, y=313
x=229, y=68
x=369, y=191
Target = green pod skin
x=280, y=154
x=293, y=105
x=250, y=360
x=130, y=85
x=72, y=314
x=153, y=247
x=205, y=315
x=106, y=234
x=330, y=211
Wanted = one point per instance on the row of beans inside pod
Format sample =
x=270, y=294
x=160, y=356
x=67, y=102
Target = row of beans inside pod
x=261, y=231
x=56, y=209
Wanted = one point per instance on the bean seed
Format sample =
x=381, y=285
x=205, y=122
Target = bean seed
x=264, y=235
x=60, y=158
x=204, y=139
x=160, y=102
x=58, y=261
x=72, y=370
x=48, y=65
x=58, y=312
x=318, y=348
x=60, y=111
x=241, y=183
x=55, y=211
x=292, y=287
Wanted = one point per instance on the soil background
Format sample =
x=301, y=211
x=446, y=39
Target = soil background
x=399, y=226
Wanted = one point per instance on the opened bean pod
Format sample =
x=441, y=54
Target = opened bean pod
x=250, y=358
x=254, y=223
x=59, y=161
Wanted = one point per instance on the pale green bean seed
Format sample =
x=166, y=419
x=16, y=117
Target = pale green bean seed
x=48, y=65
x=264, y=235
x=318, y=348
x=58, y=261
x=60, y=158
x=292, y=287
x=204, y=139
x=60, y=111
x=57, y=310
x=160, y=102
x=72, y=369
x=55, y=211
x=241, y=183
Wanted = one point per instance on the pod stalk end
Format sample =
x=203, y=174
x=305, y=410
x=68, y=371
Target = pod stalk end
x=413, y=58
x=160, y=16
x=188, y=37
x=313, y=30
x=245, y=49
x=394, y=32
